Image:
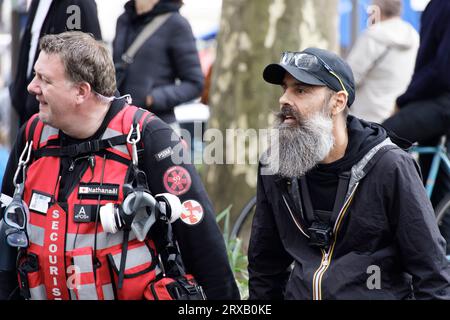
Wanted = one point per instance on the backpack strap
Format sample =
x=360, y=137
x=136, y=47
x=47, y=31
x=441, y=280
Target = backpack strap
x=33, y=130
x=144, y=117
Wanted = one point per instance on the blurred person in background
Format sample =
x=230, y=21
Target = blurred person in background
x=165, y=71
x=382, y=60
x=46, y=17
x=423, y=111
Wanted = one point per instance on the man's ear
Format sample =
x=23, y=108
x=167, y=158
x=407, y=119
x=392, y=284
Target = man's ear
x=84, y=90
x=339, y=103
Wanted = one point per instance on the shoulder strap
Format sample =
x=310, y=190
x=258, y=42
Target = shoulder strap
x=31, y=127
x=294, y=192
x=146, y=33
x=140, y=151
x=341, y=192
x=33, y=132
x=309, y=210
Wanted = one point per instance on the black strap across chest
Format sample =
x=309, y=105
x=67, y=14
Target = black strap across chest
x=304, y=195
x=91, y=146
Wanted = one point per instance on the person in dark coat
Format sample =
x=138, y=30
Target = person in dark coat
x=50, y=17
x=424, y=109
x=341, y=211
x=166, y=70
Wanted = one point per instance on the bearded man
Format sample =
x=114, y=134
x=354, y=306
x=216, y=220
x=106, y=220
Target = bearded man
x=341, y=209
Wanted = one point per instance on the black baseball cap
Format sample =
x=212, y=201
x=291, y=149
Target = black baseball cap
x=314, y=66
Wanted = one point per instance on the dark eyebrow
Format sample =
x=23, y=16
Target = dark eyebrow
x=297, y=84
x=302, y=84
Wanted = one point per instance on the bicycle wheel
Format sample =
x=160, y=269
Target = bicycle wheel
x=242, y=226
x=443, y=219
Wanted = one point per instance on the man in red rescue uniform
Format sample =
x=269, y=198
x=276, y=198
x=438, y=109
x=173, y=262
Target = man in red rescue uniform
x=74, y=258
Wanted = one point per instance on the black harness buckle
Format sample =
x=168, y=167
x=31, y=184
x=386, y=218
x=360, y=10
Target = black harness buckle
x=28, y=264
x=182, y=289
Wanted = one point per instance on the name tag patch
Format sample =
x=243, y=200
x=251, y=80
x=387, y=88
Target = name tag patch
x=167, y=152
x=84, y=213
x=39, y=202
x=94, y=190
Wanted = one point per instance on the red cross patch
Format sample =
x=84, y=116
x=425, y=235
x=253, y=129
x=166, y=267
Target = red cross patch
x=177, y=180
x=192, y=212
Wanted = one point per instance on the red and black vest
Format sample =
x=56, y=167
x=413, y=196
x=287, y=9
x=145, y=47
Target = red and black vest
x=61, y=243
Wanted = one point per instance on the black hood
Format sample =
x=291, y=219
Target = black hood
x=362, y=137
x=163, y=6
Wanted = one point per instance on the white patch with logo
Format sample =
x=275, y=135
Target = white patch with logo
x=83, y=190
x=39, y=202
x=192, y=212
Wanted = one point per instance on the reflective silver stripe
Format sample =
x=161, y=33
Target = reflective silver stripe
x=87, y=292
x=47, y=132
x=109, y=133
x=38, y=293
x=36, y=234
x=358, y=172
x=157, y=270
x=84, y=263
x=104, y=240
x=108, y=293
x=135, y=257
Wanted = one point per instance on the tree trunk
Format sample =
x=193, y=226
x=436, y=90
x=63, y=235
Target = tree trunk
x=253, y=33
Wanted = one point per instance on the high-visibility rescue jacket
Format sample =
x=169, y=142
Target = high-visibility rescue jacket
x=70, y=256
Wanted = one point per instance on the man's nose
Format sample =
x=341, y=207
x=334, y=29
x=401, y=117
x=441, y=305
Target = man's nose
x=33, y=87
x=284, y=99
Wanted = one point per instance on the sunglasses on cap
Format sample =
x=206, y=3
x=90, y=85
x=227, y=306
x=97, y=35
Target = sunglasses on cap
x=308, y=62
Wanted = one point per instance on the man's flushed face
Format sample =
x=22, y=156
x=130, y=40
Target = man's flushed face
x=56, y=94
x=305, y=129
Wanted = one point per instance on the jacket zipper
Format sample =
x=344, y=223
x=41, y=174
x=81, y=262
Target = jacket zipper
x=326, y=256
x=318, y=274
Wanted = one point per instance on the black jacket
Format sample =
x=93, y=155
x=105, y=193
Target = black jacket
x=25, y=104
x=169, y=54
x=389, y=226
x=430, y=78
x=201, y=245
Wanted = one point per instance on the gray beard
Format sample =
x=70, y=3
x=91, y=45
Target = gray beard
x=296, y=149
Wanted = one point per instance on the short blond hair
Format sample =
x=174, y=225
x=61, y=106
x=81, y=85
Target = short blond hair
x=85, y=59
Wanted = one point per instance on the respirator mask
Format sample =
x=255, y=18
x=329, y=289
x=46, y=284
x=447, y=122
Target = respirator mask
x=139, y=210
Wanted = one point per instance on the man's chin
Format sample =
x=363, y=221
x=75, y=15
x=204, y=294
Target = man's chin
x=43, y=117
